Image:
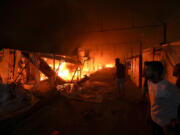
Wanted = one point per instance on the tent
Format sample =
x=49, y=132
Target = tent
x=168, y=54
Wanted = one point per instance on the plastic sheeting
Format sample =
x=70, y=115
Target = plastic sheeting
x=169, y=55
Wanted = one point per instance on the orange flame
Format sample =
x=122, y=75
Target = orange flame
x=64, y=73
x=67, y=74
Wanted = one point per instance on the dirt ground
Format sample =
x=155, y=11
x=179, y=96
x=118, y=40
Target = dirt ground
x=67, y=116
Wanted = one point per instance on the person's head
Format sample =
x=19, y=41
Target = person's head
x=117, y=61
x=176, y=70
x=154, y=70
x=145, y=68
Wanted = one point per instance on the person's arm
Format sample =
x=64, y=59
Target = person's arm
x=176, y=97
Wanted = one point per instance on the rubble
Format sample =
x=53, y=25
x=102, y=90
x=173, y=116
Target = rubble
x=88, y=89
x=14, y=100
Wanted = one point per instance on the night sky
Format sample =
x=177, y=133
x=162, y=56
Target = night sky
x=59, y=26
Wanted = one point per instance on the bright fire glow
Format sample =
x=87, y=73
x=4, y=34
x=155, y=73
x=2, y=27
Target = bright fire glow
x=100, y=67
x=109, y=65
x=66, y=73
x=43, y=77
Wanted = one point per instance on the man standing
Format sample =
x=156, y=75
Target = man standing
x=120, y=75
x=164, y=98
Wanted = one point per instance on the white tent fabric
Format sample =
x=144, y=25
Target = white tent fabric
x=173, y=51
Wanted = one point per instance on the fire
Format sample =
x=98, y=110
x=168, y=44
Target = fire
x=109, y=65
x=68, y=71
x=64, y=73
x=42, y=77
x=100, y=67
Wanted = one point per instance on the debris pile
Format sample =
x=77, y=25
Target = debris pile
x=89, y=89
x=14, y=100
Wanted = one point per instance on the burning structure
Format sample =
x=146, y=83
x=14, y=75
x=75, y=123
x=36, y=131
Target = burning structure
x=42, y=72
x=29, y=78
x=57, y=68
x=24, y=67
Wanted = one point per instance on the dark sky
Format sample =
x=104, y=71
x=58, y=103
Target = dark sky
x=61, y=25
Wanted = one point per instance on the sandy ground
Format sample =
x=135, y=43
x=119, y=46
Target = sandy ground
x=124, y=116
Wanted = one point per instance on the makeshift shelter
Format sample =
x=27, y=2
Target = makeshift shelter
x=168, y=54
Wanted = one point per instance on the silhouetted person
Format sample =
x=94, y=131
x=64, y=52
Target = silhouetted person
x=176, y=72
x=120, y=75
x=164, y=98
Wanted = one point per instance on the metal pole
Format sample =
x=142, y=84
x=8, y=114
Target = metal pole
x=165, y=32
x=140, y=66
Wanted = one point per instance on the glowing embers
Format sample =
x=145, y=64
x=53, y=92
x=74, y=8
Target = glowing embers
x=65, y=88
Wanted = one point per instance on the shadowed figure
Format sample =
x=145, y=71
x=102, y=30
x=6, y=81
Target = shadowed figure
x=120, y=76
